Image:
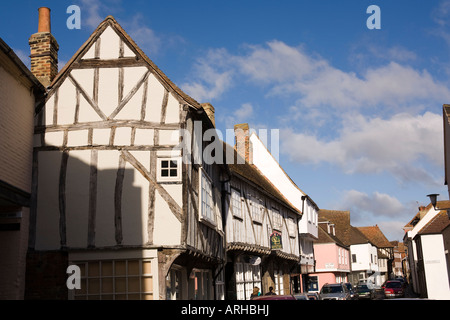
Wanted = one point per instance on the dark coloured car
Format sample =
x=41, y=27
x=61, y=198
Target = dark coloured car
x=353, y=293
x=364, y=292
x=307, y=296
x=394, y=289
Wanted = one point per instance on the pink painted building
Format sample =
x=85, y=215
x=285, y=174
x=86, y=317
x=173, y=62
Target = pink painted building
x=332, y=258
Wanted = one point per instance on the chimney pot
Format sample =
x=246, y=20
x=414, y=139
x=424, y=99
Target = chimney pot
x=44, y=20
x=44, y=50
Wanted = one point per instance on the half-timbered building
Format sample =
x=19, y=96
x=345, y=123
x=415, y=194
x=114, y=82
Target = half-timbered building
x=116, y=192
x=261, y=229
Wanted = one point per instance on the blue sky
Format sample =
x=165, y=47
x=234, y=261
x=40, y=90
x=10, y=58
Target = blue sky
x=359, y=110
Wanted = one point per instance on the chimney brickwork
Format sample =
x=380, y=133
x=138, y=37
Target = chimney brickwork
x=210, y=111
x=243, y=145
x=44, y=50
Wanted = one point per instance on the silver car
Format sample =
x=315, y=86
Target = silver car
x=334, y=291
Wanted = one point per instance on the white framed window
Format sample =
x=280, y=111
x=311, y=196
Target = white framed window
x=169, y=169
x=236, y=203
x=276, y=219
x=279, y=285
x=257, y=208
x=292, y=227
x=247, y=277
x=207, y=203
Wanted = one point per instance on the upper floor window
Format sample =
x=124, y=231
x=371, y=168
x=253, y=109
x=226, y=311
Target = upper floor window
x=207, y=207
x=236, y=203
x=292, y=227
x=257, y=208
x=277, y=219
x=169, y=169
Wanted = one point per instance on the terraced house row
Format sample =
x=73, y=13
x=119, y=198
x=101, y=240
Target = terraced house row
x=111, y=183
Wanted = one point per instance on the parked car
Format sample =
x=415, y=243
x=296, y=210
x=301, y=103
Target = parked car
x=378, y=294
x=353, y=293
x=403, y=281
x=334, y=291
x=276, y=297
x=393, y=289
x=364, y=292
x=307, y=296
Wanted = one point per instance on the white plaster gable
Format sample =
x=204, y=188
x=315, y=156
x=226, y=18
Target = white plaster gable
x=110, y=46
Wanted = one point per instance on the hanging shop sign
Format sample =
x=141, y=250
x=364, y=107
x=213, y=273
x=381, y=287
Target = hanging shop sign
x=275, y=240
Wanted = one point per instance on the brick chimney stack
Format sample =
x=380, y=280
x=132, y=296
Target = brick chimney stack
x=210, y=111
x=44, y=50
x=243, y=145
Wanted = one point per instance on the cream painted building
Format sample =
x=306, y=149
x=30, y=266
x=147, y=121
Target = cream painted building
x=20, y=91
x=116, y=192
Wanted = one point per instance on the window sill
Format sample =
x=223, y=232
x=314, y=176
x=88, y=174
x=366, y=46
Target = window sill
x=208, y=222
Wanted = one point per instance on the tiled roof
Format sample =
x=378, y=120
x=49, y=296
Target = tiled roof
x=357, y=237
x=416, y=217
x=325, y=237
x=251, y=173
x=437, y=224
x=444, y=204
x=341, y=220
x=376, y=236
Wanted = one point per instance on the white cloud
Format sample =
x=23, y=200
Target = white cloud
x=374, y=145
x=441, y=13
x=393, y=230
x=379, y=204
x=441, y=16
x=286, y=70
x=144, y=36
x=378, y=208
x=91, y=13
x=290, y=70
x=212, y=76
x=240, y=115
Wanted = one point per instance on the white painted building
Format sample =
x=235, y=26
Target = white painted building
x=308, y=225
x=427, y=253
x=364, y=262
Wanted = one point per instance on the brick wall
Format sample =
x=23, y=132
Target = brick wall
x=46, y=276
x=44, y=57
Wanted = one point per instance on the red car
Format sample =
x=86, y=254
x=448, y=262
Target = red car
x=393, y=289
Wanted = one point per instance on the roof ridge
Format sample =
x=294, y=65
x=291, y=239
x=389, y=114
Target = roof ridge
x=112, y=22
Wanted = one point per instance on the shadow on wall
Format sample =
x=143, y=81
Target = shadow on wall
x=82, y=199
